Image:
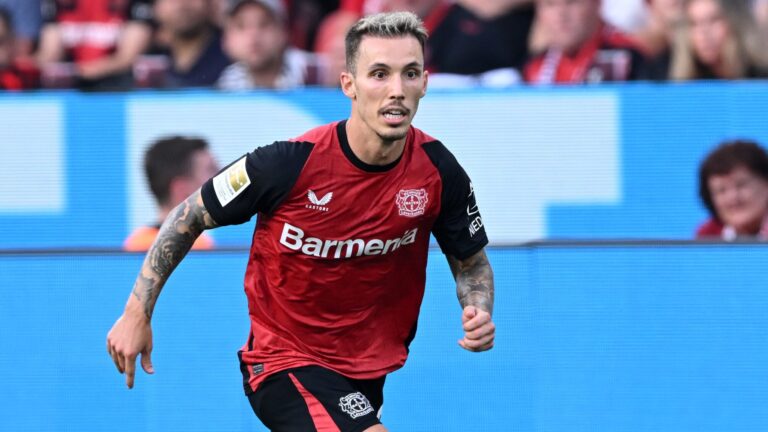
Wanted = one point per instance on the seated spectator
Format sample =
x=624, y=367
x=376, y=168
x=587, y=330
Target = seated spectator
x=92, y=44
x=329, y=45
x=25, y=16
x=188, y=35
x=581, y=47
x=175, y=167
x=13, y=76
x=733, y=185
x=256, y=37
x=720, y=40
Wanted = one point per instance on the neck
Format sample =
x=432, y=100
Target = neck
x=369, y=147
x=267, y=75
x=163, y=213
x=186, y=50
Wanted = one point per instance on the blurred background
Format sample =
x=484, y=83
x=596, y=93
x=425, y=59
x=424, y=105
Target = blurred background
x=626, y=226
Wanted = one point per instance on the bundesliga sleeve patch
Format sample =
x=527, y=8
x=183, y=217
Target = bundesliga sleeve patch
x=231, y=182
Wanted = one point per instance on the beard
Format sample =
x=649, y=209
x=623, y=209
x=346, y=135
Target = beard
x=391, y=136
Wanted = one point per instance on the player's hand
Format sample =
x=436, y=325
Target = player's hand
x=130, y=336
x=479, y=329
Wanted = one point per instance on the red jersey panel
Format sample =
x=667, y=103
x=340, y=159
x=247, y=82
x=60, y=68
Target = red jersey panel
x=338, y=261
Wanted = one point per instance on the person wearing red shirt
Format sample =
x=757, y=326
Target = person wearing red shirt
x=581, y=47
x=337, y=266
x=92, y=44
x=733, y=185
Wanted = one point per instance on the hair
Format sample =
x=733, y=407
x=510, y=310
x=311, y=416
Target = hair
x=168, y=158
x=383, y=25
x=743, y=53
x=728, y=156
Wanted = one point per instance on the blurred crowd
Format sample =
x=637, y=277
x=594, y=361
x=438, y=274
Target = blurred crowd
x=245, y=44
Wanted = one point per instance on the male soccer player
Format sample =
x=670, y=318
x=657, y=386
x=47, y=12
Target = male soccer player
x=337, y=268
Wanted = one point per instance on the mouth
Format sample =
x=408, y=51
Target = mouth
x=394, y=115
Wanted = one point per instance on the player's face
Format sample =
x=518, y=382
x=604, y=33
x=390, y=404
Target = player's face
x=255, y=37
x=740, y=198
x=568, y=23
x=387, y=84
x=709, y=30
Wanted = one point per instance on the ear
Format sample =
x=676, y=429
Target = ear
x=424, y=88
x=348, y=85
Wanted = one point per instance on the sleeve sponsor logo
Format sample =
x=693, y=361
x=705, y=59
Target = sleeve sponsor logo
x=476, y=222
x=231, y=182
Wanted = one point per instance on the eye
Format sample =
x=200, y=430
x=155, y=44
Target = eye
x=413, y=74
x=379, y=74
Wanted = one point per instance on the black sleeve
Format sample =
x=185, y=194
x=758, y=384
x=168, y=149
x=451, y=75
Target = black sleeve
x=256, y=183
x=459, y=228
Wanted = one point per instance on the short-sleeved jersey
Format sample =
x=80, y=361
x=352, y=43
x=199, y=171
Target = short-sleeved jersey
x=90, y=29
x=338, y=261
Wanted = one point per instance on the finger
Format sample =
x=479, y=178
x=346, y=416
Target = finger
x=130, y=370
x=468, y=313
x=115, y=360
x=476, y=344
x=478, y=321
x=119, y=361
x=486, y=329
x=146, y=362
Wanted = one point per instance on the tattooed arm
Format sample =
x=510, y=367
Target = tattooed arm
x=474, y=288
x=132, y=333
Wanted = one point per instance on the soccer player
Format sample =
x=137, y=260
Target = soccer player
x=337, y=267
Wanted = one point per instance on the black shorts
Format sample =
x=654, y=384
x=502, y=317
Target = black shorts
x=314, y=398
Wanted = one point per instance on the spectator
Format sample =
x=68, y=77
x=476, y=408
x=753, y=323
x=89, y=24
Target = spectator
x=101, y=39
x=468, y=37
x=760, y=12
x=720, y=40
x=733, y=185
x=192, y=41
x=256, y=37
x=329, y=44
x=25, y=16
x=658, y=33
x=581, y=47
x=175, y=167
x=12, y=76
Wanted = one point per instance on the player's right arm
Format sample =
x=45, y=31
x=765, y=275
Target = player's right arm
x=257, y=182
x=131, y=335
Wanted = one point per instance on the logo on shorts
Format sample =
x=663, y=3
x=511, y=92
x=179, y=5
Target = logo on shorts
x=412, y=202
x=355, y=404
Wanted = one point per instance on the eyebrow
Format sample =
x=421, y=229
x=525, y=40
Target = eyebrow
x=386, y=66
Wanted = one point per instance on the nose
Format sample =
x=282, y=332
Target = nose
x=396, y=87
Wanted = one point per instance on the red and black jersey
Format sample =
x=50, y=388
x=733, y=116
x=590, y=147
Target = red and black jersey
x=608, y=55
x=90, y=29
x=338, y=262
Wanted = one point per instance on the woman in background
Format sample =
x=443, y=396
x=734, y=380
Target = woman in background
x=719, y=40
x=733, y=185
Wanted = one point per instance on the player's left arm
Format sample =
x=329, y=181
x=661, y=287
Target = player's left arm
x=474, y=288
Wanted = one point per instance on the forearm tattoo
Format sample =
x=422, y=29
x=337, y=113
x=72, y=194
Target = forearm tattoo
x=178, y=233
x=474, y=281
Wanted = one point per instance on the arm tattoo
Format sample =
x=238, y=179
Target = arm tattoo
x=181, y=228
x=474, y=281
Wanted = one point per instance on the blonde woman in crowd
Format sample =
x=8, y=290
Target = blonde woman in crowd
x=719, y=40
